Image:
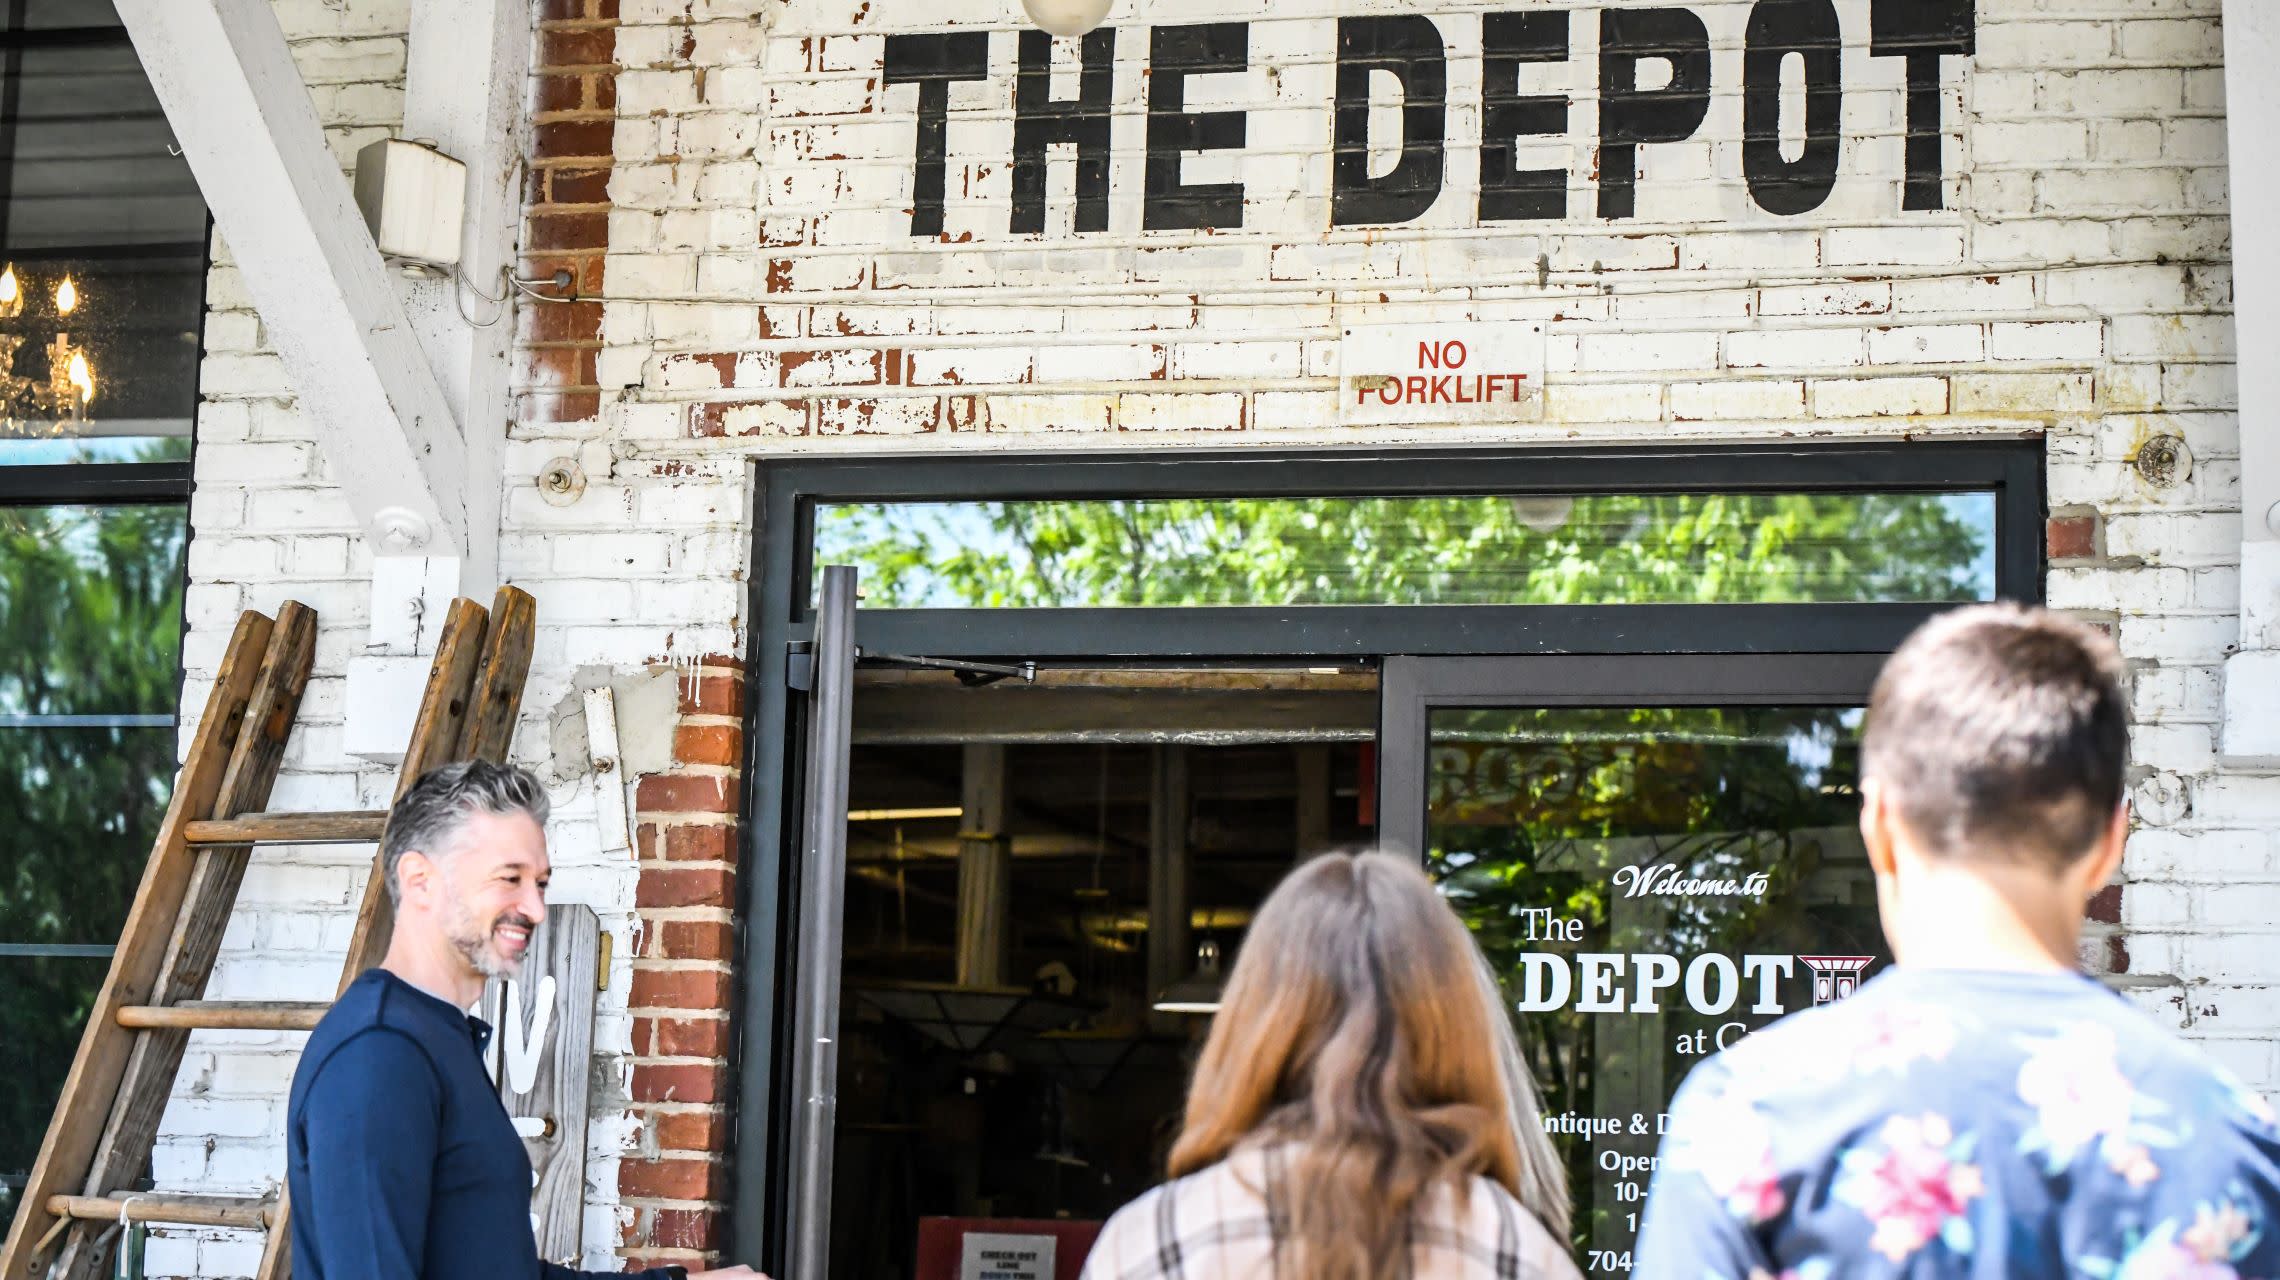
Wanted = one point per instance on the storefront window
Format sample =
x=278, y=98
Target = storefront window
x=102, y=248
x=102, y=267
x=1099, y=707
x=1652, y=883
x=1626, y=548
x=90, y=655
x=1004, y=1063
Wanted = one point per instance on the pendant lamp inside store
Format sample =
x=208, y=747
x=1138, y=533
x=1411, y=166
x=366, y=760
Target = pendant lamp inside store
x=1067, y=17
x=1198, y=992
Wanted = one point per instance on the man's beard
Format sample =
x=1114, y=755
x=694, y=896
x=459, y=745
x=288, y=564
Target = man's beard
x=473, y=940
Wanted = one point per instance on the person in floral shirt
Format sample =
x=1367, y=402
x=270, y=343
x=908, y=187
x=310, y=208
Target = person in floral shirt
x=1981, y=1108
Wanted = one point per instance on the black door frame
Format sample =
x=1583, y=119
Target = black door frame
x=786, y=493
x=1411, y=689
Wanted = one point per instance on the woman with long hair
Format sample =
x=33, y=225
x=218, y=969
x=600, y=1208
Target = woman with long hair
x=1360, y=1111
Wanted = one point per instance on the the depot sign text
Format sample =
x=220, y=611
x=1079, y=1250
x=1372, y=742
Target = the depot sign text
x=1655, y=85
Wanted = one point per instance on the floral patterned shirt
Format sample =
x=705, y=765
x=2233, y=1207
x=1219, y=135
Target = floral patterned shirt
x=1965, y=1124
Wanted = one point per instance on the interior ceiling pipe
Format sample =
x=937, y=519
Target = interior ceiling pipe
x=1169, y=951
x=985, y=871
x=1208, y=918
x=2251, y=733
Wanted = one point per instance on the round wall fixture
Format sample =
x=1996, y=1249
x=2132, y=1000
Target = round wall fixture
x=399, y=531
x=1067, y=17
x=562, y=482
x=2164, y=462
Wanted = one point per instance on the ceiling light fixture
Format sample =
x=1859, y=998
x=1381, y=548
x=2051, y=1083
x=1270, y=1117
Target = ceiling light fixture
x=1198, y=992
x=903, y=815
x=1067, y=17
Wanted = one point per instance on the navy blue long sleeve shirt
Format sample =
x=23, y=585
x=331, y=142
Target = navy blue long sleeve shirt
x=402, y=1162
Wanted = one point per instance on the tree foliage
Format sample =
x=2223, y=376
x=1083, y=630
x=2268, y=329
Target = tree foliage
x=1604, y=548
x=1529, y=807
x=1537, y=808
x=90, y=626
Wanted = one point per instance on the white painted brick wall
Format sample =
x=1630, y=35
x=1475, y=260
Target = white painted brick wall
x=2077, y=286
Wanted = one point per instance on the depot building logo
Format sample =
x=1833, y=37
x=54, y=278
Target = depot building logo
x=1710, y=984
x=1656, y=78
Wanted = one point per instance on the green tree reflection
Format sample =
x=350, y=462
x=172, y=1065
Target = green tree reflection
x=1535, y=809
x=90, y=625
x=1604, y=548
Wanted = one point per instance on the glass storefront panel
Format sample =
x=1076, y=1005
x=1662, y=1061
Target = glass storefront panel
x=90, y=660
x=1664, y=548
x=102, y=248
x=1007, y=1057
x=1652, y=883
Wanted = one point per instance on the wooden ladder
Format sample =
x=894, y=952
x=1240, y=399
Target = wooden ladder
x=99, y=1142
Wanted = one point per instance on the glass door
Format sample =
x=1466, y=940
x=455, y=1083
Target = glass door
x=1658, y=855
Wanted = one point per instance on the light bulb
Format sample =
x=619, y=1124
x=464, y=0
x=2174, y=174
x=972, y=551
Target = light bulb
x=1544, y=513
x=1067, y=17
x=80, y=376
x=11, y=294
x=66, y=297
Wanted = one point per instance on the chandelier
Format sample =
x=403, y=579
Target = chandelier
x=50, y=406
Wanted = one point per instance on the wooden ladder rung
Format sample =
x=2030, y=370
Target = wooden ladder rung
x=181, y=1211
x=356, y=826
x=225, y=1015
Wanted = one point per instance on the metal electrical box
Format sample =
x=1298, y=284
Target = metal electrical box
x=414, y=199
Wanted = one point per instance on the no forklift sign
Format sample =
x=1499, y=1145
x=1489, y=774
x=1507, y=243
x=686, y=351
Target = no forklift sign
x=1448, y=374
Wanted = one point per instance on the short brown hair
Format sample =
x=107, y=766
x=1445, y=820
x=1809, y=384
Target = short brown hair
x=2001, y=732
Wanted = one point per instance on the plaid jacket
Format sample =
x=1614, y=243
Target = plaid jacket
x=1217, y=1225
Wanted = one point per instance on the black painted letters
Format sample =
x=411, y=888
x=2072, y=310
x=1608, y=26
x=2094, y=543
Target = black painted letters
x=1411, y=49
x=1923, y=32
x=1777, y=29
x=931, y=61
x=1408, y=46
x=1040, y=120
x=1174, y=54
x=1629, y=115
x=1509, y=40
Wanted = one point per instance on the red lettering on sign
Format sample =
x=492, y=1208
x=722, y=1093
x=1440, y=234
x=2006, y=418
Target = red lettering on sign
x=1479, y=388
x=1441, y=355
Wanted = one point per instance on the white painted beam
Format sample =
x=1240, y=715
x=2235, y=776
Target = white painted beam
x=238, y=106
x=2251, y=735
x=466, y=85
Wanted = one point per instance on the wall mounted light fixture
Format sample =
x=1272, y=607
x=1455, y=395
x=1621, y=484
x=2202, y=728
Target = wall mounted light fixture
x=1067, y=17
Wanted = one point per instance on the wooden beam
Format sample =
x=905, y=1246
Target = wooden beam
x=1312, y=833
x=180, y=1211
x=567, y=947
x=466, y=77
x=355, y=826
x=1169, y=954
x=496, y=704
x=435, y=738
x=916, y=714
x=985, y=871
x=237, y=104
x=224, y=1015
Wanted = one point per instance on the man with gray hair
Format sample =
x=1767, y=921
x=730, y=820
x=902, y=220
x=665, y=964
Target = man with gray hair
x=401, y=1160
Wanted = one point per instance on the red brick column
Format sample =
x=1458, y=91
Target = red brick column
x=2075, y=537
x=566, y=227
x=676, y=1181
x=677, y=1184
